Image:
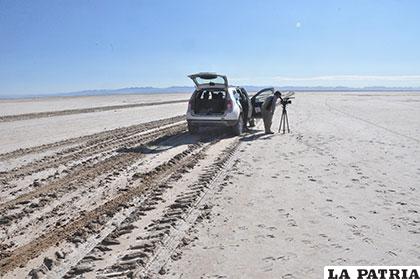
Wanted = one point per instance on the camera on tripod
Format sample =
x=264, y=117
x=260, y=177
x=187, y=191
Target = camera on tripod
x=284, y=101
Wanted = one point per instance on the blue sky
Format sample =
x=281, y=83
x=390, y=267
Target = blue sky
x=61, y=46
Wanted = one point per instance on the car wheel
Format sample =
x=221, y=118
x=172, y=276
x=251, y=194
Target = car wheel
x=192, y=128
x=237, y=129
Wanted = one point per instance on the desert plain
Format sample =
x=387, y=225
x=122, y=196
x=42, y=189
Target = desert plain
x=115, y=187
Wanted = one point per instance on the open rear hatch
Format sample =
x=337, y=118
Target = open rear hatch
x=209, y=80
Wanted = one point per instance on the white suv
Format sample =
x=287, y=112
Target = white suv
x=215, y=103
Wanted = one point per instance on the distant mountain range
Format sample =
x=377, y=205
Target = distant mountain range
x=188, y=89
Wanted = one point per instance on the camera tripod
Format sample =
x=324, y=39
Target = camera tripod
x=284, y=120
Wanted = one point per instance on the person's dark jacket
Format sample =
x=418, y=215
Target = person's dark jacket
x=270, y=102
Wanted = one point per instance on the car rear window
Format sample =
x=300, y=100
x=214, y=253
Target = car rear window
x=216, y=80
x=201, y=94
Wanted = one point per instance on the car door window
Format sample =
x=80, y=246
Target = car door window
x=264, y=95
x=258, y=99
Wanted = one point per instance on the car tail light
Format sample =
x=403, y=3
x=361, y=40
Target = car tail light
x=229, y=105
x=189, y=105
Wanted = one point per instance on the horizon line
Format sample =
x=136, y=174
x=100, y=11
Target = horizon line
x=155, y=90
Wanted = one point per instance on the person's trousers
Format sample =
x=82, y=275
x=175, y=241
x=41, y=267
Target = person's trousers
x=267, y=117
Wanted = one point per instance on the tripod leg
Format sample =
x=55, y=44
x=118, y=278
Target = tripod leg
x=287, y=121
x=281, y=121
x=284, y=122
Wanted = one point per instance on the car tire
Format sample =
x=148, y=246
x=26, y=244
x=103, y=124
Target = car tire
x=192, y=128
x=239, y=126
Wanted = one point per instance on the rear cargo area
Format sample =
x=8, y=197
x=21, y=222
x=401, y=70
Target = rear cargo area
x=209, y=102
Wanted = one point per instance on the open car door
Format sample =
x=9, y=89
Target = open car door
x=247, y=102
x=258, y=99
x=212, y=80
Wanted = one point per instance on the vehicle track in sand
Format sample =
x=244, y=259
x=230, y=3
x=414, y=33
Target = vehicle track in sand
x=56, y=208
x=170, y=169
x=97, y=188
x=154, y=241
x=37, y=205
x=91, y=221
x=88, y=150
x=35, y=115
x=44, y=194
x=92, y=139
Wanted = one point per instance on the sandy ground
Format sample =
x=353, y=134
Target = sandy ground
x=107, y=195
x=341, y=189
x=33, y=132
x=23, y=106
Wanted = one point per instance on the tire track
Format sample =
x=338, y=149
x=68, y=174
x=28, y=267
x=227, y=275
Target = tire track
x=64, y=205
x=169, y=232
x=36, y=115
x=87, y=163
x=97, y=144
x=92, y=222
x=173, y=221
x=92, y=139
x=85, y=173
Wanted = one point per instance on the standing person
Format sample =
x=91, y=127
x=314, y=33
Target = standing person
x=267, y=111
